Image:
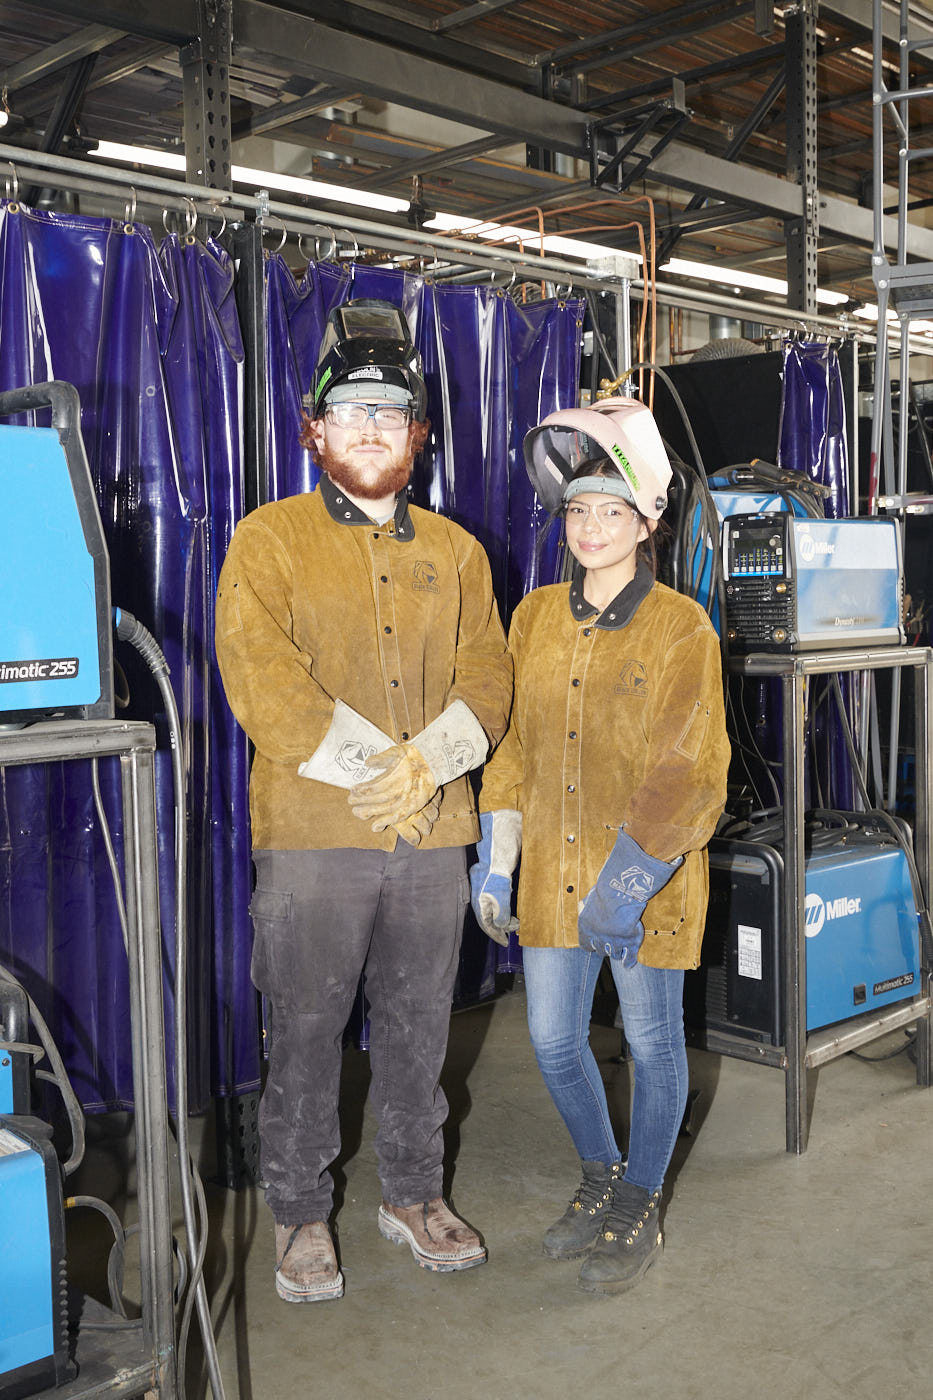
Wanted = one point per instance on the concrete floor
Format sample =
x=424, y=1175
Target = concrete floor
x=781, y=1277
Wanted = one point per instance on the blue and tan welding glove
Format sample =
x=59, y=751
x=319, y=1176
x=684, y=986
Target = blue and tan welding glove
x=610, y=916
x=491, y=877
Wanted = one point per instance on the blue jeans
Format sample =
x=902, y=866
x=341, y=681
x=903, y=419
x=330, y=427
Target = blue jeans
x=560, y=983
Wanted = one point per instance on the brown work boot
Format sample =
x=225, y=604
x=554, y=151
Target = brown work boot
x=439, y=1240
x=305, y=1263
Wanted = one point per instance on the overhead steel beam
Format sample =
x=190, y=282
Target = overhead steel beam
x=57, y=56
x=174, y=21
x=859, y=13
x=659, y=39
x=106, y=71
x=287, y=113
x=311, y=48
x=470, y=12
x=437, y=160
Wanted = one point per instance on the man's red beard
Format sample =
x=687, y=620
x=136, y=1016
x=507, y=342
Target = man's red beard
x=360, y=481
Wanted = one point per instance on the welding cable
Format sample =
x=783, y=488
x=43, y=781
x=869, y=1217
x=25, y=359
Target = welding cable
x=128, y=629
x=59, y=1076
x=709, y=516
x=891, y=824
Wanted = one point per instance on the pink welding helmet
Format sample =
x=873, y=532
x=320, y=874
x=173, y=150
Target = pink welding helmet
x=623, y=430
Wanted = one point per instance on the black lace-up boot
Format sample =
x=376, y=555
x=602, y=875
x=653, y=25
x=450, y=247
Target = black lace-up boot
x=629, y=1243
x=582, y=1221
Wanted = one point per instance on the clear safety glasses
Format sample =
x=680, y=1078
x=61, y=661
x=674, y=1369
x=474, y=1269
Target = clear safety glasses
x=355, y=415
x=610, y=514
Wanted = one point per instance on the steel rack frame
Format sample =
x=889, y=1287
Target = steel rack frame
x=142, y=1362
x=801, y=1052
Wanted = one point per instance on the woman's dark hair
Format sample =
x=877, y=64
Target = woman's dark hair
x=647, y=551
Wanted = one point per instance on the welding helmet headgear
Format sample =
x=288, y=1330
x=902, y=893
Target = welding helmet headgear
x=367, y=346
x=622, y=430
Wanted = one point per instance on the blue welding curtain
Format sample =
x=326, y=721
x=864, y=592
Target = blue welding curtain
x=150, y=338
x=493, y=369
x=812, y=440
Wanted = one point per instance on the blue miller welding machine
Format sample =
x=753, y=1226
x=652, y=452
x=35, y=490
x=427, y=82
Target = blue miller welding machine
x=862, y=929
x=55, y=662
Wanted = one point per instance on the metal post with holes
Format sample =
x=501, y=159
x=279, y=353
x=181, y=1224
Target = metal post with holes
x=205, y=68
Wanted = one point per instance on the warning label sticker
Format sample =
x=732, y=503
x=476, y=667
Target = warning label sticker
x=749, y=947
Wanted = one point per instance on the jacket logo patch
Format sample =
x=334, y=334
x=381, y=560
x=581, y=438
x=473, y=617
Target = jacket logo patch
x=633, y=680
x=425, y=576
x=353, y=756
x=634, y=883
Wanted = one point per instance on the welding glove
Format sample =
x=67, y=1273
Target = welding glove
x=343, y=759
x=609, y=921
x=491, y=877
x=409, y=774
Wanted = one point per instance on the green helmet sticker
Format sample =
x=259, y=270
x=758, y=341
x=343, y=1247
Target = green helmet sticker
x=626, y=466
x=323, y=380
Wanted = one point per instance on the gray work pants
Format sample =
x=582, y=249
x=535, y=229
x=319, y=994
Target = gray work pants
x=321, y=918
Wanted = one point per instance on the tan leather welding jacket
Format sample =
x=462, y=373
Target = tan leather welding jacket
x=618, y=719
x=315, y=604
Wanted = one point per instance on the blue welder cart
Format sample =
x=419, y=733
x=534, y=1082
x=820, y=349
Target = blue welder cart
x=56, y=704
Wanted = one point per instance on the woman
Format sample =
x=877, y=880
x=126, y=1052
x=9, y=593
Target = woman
x=609, y=781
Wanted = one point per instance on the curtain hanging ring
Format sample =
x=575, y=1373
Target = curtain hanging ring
x=129, y=211
x=12, y=192
x=329, y=256
x=191, y=217
x=165, y=214
x=282, y=241
x=218, y=213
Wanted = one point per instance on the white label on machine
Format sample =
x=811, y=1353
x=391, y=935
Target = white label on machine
x=10, y=1144
x=749, y=945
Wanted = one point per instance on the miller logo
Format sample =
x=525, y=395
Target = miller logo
x=633, y=680
x=425, y=577
x=818, y=911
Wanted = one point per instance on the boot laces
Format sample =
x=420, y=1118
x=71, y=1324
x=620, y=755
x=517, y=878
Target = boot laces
x=592, y=1194
x=627, y=1217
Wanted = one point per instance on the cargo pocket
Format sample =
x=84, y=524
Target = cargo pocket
x=271, y=913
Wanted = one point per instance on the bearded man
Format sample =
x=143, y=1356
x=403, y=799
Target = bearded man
x=362, y=652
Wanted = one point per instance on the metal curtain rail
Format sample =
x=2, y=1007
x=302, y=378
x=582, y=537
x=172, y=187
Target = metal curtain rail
x=457, y=253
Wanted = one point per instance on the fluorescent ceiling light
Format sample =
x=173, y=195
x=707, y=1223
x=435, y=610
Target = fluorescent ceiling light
x=501, y=234
x=682, y=267
x=265, y=179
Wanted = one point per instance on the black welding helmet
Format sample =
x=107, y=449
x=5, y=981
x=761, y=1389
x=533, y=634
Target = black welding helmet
x=367, y=343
